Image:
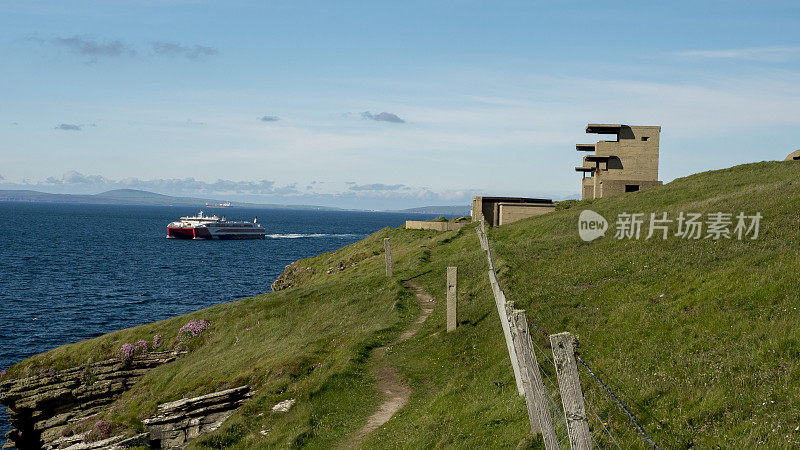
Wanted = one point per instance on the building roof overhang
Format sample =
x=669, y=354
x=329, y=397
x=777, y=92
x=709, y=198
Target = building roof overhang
x=584, y=169
x=604, y=128
x=596, y=158
x=584, y=147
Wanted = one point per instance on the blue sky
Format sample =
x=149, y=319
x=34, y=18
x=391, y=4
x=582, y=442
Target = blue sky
x=284, y=101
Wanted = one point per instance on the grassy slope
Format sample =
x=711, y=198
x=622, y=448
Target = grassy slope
x=701, y=337
x=698, y=337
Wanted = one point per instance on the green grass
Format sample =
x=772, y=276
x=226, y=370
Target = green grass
x=699, y=338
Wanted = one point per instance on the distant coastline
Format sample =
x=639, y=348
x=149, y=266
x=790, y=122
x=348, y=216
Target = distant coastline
x=146, y=198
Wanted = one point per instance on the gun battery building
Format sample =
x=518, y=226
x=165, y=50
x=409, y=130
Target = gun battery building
x=626, y=164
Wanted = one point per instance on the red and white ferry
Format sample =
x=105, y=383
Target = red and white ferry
x=212, y=227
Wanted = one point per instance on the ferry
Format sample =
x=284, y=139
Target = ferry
x=219, y=205
x=212, y=227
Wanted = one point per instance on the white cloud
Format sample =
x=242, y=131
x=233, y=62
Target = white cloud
x=766, y=54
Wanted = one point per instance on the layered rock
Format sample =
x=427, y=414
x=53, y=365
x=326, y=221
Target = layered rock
x=78, y=442
x=42, y=406
x=180, y=421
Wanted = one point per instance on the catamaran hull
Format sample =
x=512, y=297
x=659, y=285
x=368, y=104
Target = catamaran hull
x=204, y=233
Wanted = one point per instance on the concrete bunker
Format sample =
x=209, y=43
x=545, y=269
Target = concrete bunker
x=628, y=163
x=502, y=210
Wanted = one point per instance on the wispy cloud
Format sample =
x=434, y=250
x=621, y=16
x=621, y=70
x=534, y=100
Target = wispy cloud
x=2, y=178
x=376, y=187
x=73, y=177
x=773, y=54
x=68, y=127
x=86, y=46
x=382, y=117
x=186, y=51
x=269, y=118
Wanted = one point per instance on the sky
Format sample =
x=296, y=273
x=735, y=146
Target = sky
x=382, y=104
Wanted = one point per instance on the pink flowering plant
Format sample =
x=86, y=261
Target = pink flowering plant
x=128, y=351
x=191, y=335
x=156, y=342
x=99, y=430
x=94, y=428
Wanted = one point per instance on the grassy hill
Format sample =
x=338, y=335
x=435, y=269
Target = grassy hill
x=698, y=337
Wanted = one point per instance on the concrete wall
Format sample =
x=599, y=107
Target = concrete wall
x=633, y=158
x=477, y=208
x=512, y=212
x=435, y=226
x=616, y=187
x=587, y=188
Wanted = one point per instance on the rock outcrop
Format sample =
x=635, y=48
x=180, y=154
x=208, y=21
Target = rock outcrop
x=41, y=407
x=78, y=442
x=180, y=421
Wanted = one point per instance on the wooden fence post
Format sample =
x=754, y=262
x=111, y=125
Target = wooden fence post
x=481, y=239
x=452, y=298
x=387, y=249
x=500, y=301
x=516, y=339
x=535, y=394
x=569, y=384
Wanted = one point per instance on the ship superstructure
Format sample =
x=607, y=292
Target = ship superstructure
x=213, y=227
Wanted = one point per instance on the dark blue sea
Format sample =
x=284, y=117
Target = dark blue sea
x=73, y=272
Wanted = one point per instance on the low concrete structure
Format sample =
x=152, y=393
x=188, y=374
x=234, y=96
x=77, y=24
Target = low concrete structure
x=435, y=226
x=502, y=210
x=794, y=156
x=627, y=164
x=512, y=212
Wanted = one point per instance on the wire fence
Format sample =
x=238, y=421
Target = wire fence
x=547, y=368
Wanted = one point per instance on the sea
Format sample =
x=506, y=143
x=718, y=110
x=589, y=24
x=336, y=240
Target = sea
x=70, y=272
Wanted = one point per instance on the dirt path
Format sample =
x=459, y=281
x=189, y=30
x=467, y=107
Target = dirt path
x=394, y=391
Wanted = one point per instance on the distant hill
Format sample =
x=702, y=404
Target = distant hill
x=135, y=197
x=453, y=210
x=131, y=193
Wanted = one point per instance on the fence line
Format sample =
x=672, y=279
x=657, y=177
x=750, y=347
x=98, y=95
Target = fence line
x=502, y=303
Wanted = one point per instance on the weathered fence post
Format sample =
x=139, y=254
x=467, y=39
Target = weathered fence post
x=516, y=340
x=388, y=250
x=452, y=298
x=500, y=301
x=569, y=384
x=538, y=410
x=482, y=239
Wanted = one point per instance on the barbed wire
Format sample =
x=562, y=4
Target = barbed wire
x=602, y=424
x=604, y=386
x=619, y=403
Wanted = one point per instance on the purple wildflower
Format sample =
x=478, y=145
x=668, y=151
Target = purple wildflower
x=2, y=373
x=126, y=353
x=142, y=345
x=99, y=430
x=191, y=332
x=156, y=342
